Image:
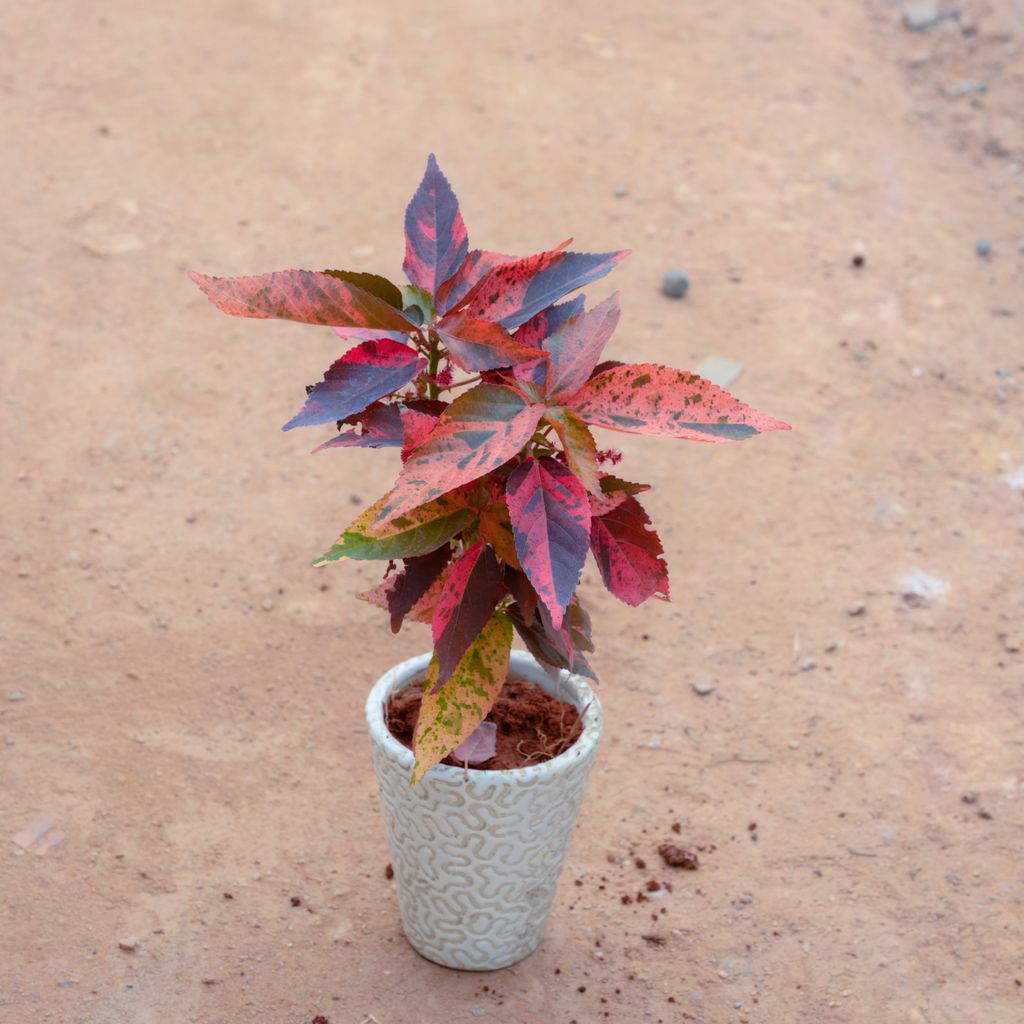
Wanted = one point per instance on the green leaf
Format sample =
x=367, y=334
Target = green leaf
x=412, y=295
x=372, y=283
x=407, y=536
x=450, y=715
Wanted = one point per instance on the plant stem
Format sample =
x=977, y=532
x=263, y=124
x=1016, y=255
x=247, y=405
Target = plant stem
x=433, y=359
x=463, y=383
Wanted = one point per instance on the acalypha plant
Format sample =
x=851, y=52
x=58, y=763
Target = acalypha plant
x=489, y=384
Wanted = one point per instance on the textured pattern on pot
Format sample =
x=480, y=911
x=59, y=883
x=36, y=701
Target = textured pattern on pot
x=477, y=854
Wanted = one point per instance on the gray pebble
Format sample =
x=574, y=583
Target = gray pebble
x=983, y=248
x=1020, y=245
x=129, y=944
x=621, y=192
x=702, y=687
x=16, y=696
x=675, y=284
x=921, y=16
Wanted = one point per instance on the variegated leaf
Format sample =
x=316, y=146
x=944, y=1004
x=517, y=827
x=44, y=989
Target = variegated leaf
x=613, y=493
x=476, y=345
x=381, y=428
x=551, y=527
x=513, y=293
x=450, y=715
x=473, y=589
x=547, y=321
x=629, y=554
x=579, y=445
x=435, y=235
x=413, y=582
x=476, y=264
x=576, y=348
x=480, y=431
x=645, y=398
x=304, y=295
x=479, y=746
x=419, y=532
x=375, y=284
x=361, y=376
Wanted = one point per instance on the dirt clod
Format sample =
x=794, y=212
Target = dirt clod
x=678, y=857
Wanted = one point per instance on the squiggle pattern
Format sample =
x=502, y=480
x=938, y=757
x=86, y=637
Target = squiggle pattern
x=477, y=855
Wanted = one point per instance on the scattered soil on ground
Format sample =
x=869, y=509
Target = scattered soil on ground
x=532, y=725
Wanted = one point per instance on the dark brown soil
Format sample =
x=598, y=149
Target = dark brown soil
x=677, y=857
x=532, y=725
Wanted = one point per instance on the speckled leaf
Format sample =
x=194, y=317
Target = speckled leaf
x=414, y=581
x=551, y=526
x=579, y=445
x=304, y=295
x=613, y=493
x=375, y=284
x=417, y=422
x=521, y=589
x=381, y=428
x=405, y=536
x=435, y=235
x=549, y=645
x=450, y=715
x=645, y=398
x=629, y=554
x=480, y=431
x=547, y=321
x=473, y=588
x=361, y=376
x=496, y=527
x=576, y=348
x=476, y=264
x=515, y=292
x=476, y=345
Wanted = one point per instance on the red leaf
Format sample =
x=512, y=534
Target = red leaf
x=303, y=295
x=628, y=554
x=513, y=293
x=382, y=428
x=522, y=593
x=547, y=321
x=361, y=376
x=644, y=398
x=476, y=264
x=472, y=590
x=435, y=236
x=480, y=746
x=477, y=345
x=480, y=431
x=416, y=425
x=551, y=526
x=414, y=581
x=576, y=348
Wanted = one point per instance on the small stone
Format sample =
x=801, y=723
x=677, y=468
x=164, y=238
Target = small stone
x=983, y=248
x=702, y=687
x=920, y=16
x=856, y=609
x=794, y=744
x=118, y=484
x=808, y=664
x=675, y=284
x=621, y=192
x=478, y=1011
x=1011, y=644
x=954, y=880
x=129, y=944
x=267, y=605
x=16, y=696
x=9, y=741
x=832, y=646
x=970, y=797
x=1020, y=245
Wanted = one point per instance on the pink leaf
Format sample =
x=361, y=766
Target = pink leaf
x=435, y=235
x=515, y=292
x=480, y=431
x=480, y=746
x=303, y=295
x=476, y=264
x=576, y=347
x=551, y=527
x=645, y=398
x=477, y=345
x=629, y=554
x=472, y=590
x=382, y=428
x=547, y=321
x=361, y=376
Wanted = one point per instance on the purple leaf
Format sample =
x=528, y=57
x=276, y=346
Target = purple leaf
x=361, y=376
x=547, y=321
x=435, y=236
x=481, y=745
x=382, y=428
x=414, y=581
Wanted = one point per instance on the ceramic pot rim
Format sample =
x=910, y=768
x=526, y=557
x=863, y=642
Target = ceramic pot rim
x=573, y=689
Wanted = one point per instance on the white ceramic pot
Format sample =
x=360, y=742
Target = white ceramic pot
x=477, y=854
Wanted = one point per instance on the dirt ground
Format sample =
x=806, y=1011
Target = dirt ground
x=181, y=698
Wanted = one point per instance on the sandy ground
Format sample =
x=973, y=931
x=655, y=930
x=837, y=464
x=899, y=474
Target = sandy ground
x=182, y=693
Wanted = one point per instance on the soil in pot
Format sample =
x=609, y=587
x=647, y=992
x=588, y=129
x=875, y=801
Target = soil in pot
x=532, y=725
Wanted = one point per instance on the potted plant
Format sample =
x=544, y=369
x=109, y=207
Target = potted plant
x=488, y=380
